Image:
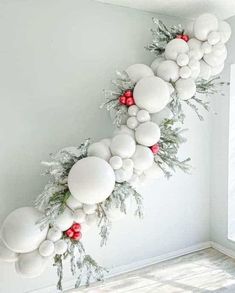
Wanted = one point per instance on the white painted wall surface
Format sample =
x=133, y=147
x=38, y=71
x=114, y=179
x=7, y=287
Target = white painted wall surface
x=56, y=56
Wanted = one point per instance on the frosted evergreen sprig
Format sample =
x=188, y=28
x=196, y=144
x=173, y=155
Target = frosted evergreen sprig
x=170, y=141
x=111, y=103
x=162, y=35
x=210, y=87
x=175, y=107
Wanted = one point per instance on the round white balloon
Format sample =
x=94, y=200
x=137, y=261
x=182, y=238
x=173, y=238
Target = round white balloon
x=122, y=175
x=100, y=150
x=21, y=232
x=73, y=203
x=143, y=116
x=147, y=133
x=46, y=248
x=127, y=164
x=205, y=24
x=133, y=110
x=54, y=234
x=174, y=48
x=206, y=48
x=106, y=141
x=205, y=70
x=65, y=220
x=217, y=69
x=168, y=70
x=182, y=59
x=116, y=162
x=225, y=31
x=214, y=60
x=186, y=88
x=132, y=122
x=61, y=246
x=195, y=50
x=142, y=158
x=91, y=180
x=122, y=145
x=151, y=94
x=6, y=254
x=31, y=265
x=185, y=72
x=139, y=71
x=156, y=63
x=213, y=38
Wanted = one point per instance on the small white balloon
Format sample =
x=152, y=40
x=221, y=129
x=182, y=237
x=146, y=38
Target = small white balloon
x=132, y=122
x=31, y=264
x=182, y=59
x=61, y=247
x=123, y=145
x=151, y=94
x=91, y=219
x=205, y=24
x=91, y=180
x=138, y=71
x=195, y=48
x=128, y=164
x=217, y=69
x=174, y=48
x=214, y=60
x=186, y=88
x=133, y=110
x=213, y=38
x=65, y=220
x=168, y=70
x=89, y=208
x=6, y=254
x=79, y=216
x=54, y=234
x=106, y=141
x=122, y=175
x=185, y=72
x=206, y=48
x=46, y=248
x=123, y=129
x=156, y=63
x=219, y=49
x=100, y=150
x=143, y=116
x=194, y=63
x=73, y=203
x=205, y=70
x=21, y=232
x=225, y=31
x=142, y=158
x=115, y=162
x=147, y=133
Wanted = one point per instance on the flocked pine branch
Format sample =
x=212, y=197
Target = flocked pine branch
x=162, y=35
x=210, y=87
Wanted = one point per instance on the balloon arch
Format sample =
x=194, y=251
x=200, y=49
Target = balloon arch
x=96, y=182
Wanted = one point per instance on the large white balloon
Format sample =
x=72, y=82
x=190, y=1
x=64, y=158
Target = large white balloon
x=6, y=254
x=168, y=70
x=225, y=31
x=100, y=150
x=147, y=133
x=186, y=88
x=151, y=94
x=20, y=231
x=156, y=63
x=142, y=158
x=91, y=180
x=205, y=70
x=174, y=48
x=205, y=24
x=65, y=220
x=213, y=60
x=31, y=265
x=213, y=38
x=122, y=145
x=195, y=50
x=139, y=71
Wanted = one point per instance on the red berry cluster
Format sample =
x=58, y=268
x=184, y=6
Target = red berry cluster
x=127, y=98
x=155, y=148
x=74, y=232
x=183, y=37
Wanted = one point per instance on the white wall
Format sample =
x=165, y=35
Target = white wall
x=56, y=56
x=219, y=162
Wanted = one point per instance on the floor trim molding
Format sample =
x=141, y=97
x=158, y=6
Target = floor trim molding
x=223, y=249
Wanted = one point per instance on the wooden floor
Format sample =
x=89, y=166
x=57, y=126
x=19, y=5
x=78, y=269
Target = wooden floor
x=204, y=271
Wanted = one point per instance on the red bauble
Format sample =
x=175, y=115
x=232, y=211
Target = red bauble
x=77, y=235
x=130, y=101
x=70, y=233
x=76, y=227
x=185, y=38
x=122, y=100
x=155, y=148
x=128, y=94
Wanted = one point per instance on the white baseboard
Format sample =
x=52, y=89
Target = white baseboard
x=135, y=266
x=222, y=249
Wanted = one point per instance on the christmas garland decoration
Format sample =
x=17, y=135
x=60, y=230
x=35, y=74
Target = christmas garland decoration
x=96, y=182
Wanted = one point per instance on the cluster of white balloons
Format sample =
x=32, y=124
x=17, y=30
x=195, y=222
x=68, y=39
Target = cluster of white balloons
x=125, y=157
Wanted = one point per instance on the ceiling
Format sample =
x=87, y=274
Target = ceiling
x=184, y=8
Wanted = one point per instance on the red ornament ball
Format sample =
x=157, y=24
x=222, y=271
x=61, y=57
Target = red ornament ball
x=130, y=101
x=70, y=233
x=185, y=38
x=128, y=94
x=155, y=148
x=76, y=227
x=122, y=100
x=77, y=236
